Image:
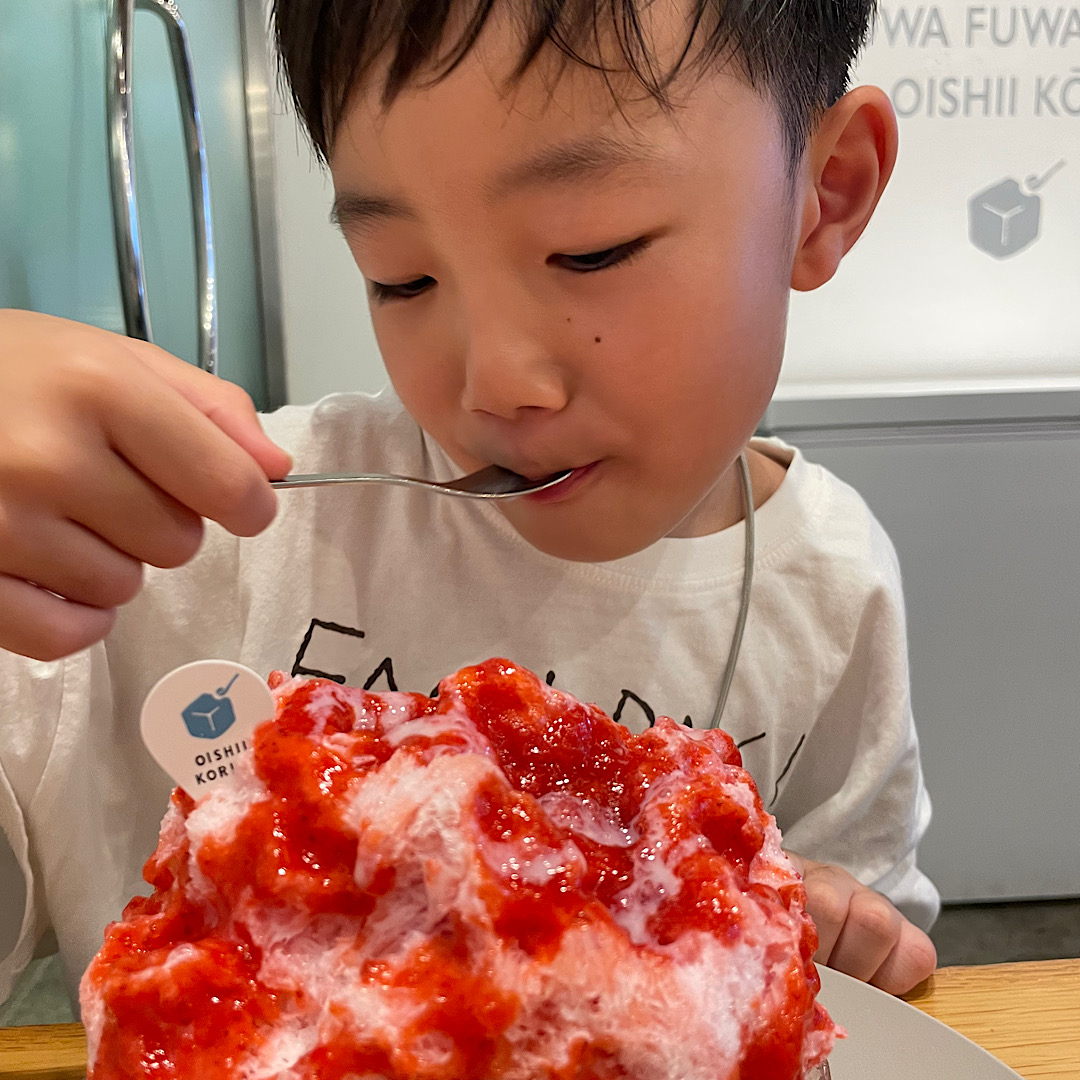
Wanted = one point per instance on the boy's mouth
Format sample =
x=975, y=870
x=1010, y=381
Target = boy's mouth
x=564, y=488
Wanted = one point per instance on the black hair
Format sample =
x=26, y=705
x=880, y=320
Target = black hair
x=799, y=52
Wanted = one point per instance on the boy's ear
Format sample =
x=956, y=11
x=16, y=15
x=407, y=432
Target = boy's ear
x=848, y=163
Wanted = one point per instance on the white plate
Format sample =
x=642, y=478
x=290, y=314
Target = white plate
x=888, y=1039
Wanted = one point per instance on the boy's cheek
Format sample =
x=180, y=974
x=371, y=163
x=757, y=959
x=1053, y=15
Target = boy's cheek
x=426, y=385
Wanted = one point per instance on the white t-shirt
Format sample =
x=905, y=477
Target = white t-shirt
x=388, y=587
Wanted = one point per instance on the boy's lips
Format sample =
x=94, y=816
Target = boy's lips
x=565, y=487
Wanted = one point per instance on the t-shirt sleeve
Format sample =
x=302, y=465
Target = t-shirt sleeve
x=30, y=698
x=856, y=796
x=18, y=925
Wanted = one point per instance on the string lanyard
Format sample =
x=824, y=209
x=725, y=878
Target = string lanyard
x=744, y=596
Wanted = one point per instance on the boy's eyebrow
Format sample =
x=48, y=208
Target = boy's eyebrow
x=353, y=209
x=580, y=159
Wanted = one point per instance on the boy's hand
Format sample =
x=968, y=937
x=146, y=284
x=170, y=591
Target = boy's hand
x=111, y=453
x=860, y=933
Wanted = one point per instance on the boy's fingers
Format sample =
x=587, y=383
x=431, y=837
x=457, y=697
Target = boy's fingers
x=227, y=405
x=174, y=444
x=827, y=897
x=46, y=627
x=70, y=561
x=137, y=517
x=861, y=934
x=911, y=960
x=869, y=934
x=95, y=356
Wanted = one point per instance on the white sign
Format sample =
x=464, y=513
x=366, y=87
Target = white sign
x=969, y=274
x=198, y=720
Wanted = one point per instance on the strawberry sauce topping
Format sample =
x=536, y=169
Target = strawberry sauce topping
x=498, y=883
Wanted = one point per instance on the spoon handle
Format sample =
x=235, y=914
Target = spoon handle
x=491, y=482
x=308, y=480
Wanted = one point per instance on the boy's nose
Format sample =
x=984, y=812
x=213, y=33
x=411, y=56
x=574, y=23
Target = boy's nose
x=509, y=368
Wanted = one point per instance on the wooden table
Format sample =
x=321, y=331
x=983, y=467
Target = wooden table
x=1028, y=1015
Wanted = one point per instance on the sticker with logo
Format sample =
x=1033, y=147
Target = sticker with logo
x=198, y=720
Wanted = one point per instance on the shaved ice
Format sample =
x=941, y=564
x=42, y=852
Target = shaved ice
x=497, y=883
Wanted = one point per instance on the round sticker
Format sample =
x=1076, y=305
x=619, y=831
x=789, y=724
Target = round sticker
x=198, y=720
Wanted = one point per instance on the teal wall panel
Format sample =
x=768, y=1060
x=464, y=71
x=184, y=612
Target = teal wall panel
x=57, y=251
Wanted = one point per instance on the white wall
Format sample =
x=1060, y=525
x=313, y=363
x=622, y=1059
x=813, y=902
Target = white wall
x=937, y=297
x=329, y=343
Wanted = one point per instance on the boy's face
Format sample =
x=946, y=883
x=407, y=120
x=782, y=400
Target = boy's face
x=557, y=282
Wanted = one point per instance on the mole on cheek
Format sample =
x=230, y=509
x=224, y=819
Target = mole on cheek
x=597, y=341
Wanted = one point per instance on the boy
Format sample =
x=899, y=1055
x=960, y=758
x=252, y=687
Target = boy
x=579, y=230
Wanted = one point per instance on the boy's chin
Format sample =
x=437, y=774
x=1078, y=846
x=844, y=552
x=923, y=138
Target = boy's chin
x=590, y=543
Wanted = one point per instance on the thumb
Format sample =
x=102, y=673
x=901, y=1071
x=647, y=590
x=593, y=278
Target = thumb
x=225, y=404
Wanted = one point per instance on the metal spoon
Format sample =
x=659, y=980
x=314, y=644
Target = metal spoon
x=494, y=482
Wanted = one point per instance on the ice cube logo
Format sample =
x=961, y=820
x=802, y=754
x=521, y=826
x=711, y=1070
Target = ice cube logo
x=210, y=715
x=1004, y=218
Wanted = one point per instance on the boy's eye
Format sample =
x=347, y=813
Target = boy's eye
x=600, y=260
x=580, y=264
x=404, y=291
